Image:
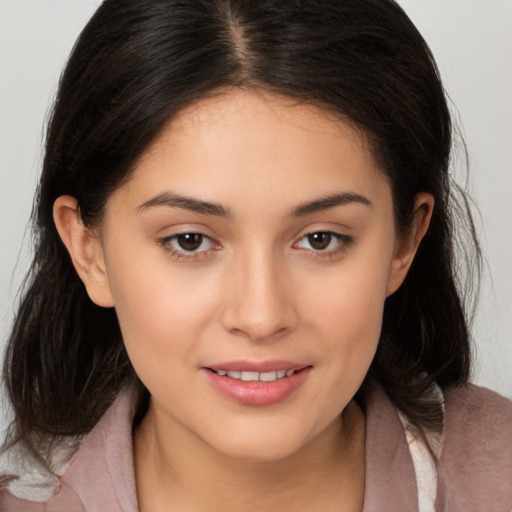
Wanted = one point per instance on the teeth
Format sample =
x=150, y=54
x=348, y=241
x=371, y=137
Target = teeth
x=248, y=376
x=255, y=376
x=268, y=376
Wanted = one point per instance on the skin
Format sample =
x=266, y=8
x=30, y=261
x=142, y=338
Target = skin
x=255, y=289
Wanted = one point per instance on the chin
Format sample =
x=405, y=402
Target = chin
x=260, y=452
x=260, y=445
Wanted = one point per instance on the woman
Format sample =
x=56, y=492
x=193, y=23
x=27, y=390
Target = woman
x=243, y=291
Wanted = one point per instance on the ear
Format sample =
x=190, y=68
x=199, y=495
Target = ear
x=407, y=244
x=85, y=248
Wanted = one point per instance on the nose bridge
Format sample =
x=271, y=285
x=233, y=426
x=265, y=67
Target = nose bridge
x=259, y=306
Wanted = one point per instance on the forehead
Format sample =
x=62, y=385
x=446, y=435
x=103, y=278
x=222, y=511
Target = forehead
x=241, y=147
x=224, y=114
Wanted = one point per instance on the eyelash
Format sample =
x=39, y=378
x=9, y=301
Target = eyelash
x=343, y=243
x=183, y=254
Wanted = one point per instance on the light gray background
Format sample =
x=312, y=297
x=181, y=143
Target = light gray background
x=472, y=41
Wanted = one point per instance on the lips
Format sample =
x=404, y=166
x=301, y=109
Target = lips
x=255, y=376
x=257, y=383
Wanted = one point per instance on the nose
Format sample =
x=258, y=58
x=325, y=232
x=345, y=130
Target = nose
x=260, y=306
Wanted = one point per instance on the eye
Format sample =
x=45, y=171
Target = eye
x=323, y=241
x=188, y=243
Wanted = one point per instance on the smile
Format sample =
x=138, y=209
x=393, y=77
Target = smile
x=256, y=376
x=240, y=382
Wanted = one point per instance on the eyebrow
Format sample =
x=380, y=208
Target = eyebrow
x=208, y=208
x=331, y=201
x=187, y=203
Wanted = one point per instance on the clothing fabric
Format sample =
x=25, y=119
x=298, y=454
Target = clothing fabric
x=474, y=469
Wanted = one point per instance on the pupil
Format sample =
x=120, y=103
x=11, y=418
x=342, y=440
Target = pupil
x=319, y=240
x=190, y=241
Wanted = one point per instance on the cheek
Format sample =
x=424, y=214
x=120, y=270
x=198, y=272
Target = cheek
x=347, y=310
x=161, y=310
x=353, y=294
x=354, y=331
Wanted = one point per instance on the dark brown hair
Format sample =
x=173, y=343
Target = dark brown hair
x=139, y=62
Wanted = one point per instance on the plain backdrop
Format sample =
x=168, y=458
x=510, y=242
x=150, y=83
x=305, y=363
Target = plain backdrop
x=472, y=41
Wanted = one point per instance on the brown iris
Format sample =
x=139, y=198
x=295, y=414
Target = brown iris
x=190, y=241
x=320, y=240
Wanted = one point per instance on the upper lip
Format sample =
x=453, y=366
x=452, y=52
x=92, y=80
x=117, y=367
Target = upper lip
x=256, y=366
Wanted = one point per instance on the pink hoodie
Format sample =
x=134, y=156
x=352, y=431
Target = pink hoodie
x=474, y=472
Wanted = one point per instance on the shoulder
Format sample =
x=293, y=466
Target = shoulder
x=466, y=401
x=478, y=420
x=27, y=484
x=475, y=467
x=98, y=476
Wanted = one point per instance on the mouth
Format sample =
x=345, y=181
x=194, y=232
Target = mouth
x=257, y=383
x=247, y=376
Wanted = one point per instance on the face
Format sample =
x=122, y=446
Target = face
x=248, y=259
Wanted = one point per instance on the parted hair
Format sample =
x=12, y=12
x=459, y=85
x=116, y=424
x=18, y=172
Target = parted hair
x=137, y=64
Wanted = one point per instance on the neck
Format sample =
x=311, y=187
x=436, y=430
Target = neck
x=178, y=468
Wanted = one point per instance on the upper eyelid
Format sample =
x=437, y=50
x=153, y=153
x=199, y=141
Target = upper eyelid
x=331, y=231
x=173, y=231
x=336, y=228
x=181, y=228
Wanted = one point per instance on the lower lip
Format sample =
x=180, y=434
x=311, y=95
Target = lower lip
x=257, y=392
